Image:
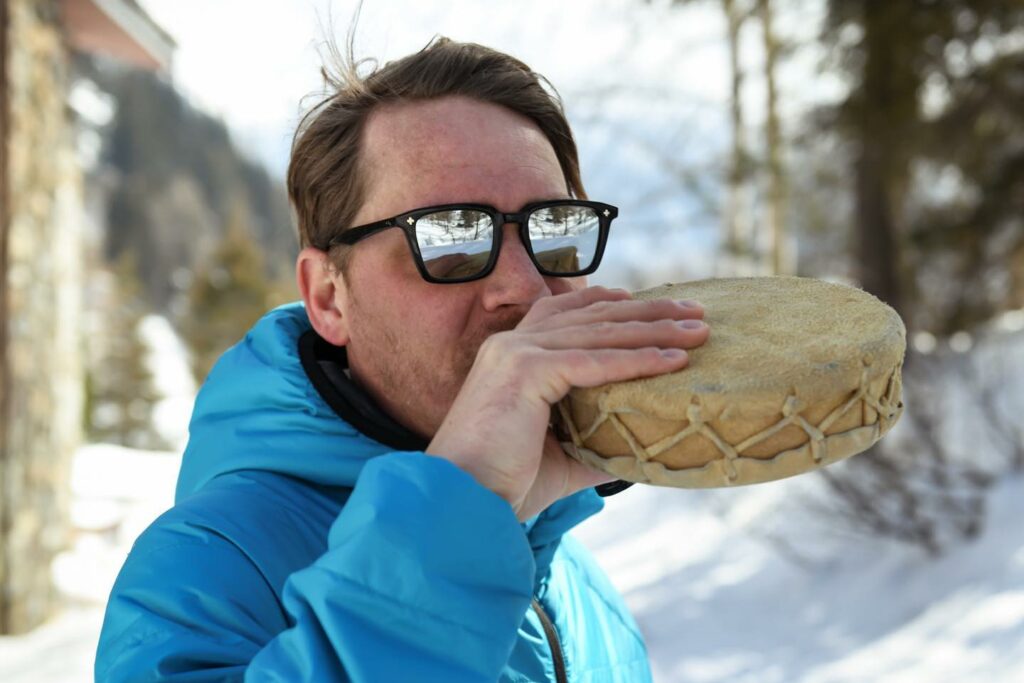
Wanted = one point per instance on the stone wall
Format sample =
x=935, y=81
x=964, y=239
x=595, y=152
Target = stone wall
x=44, y=281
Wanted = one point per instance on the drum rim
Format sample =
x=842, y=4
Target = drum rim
x=879, y=363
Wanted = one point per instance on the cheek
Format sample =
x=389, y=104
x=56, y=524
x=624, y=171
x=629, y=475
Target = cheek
x=428, y=325
x=431, y=317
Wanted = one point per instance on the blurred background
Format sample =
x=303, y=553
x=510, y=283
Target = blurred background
x=144, y=227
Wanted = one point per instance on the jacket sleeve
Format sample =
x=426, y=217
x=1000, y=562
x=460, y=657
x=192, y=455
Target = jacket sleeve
x=427, y=577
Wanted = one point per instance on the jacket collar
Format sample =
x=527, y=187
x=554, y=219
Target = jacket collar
x=326, y=366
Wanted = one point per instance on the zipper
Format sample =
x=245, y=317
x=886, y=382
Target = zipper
x=557, y=657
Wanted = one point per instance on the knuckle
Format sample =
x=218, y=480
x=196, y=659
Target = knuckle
x=577, y=358
x=650, y=355
x=545, y=303
x=605, y=294
x=522, y=358
x=583, y=363
x=669, y=306
x=508, y=353
x=662, y=308
x=497, y=345
x=493, y=341
x=599, y=308
x=619, y=294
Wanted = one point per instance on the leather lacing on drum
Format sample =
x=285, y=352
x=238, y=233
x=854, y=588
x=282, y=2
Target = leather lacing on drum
x=888, y=408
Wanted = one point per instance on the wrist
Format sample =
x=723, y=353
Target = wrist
x=470, y=463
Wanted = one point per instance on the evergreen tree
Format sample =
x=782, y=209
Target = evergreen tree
x=933, y=119
x=172, y=175
x=936, y=140
x=120, y=394
x=229, y=293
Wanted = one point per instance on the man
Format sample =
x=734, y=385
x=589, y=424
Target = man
x=372, y=490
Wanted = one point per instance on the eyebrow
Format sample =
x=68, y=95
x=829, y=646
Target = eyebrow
x=532, y=200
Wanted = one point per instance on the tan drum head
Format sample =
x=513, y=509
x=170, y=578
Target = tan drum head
x=797, y=374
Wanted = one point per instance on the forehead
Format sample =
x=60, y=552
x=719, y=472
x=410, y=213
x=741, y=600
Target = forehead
x=456, y=149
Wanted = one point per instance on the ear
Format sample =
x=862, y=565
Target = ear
x=325, y=294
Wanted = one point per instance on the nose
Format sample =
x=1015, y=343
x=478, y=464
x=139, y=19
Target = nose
x=515, y=280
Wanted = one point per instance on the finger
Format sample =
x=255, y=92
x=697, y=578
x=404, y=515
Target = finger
x=552, y=305
x=594, y=368
x=680, y=334
x=622, y=311
x=591, y=368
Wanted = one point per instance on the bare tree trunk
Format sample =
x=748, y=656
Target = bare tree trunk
x=736, y=220
x=876, y=248
x=1016, y=260
x=782, y=258
x=888, y=107
x=5, y=374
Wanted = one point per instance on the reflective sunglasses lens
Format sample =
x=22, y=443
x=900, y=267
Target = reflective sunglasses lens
x=564, y=238
x=455, y=244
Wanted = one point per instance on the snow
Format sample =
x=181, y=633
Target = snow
x=116, y=493
x=168, y=361
x=745, y=585
x=717, y=601
x=716, y=598
x=59, y=652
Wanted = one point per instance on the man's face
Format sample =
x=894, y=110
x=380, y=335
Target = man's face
x=411, y=343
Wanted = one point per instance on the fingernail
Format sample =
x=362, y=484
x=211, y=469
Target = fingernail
x=689, y=303
x=691, y=324
x=673, y=354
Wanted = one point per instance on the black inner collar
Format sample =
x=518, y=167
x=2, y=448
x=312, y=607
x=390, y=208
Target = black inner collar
x=325, y=365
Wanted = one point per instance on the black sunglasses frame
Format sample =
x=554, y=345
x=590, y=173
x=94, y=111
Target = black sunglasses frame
x=407, y=223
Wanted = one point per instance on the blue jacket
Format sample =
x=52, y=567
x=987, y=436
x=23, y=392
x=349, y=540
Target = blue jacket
x=300, y=549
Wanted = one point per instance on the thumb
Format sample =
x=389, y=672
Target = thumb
x=579, y=475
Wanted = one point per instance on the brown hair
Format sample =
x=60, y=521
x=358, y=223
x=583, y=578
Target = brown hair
x=325, y=183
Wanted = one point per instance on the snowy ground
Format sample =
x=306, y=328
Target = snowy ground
x=743, y=586
x=717, y=601
x=117, y=493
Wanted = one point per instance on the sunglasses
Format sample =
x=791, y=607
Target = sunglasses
x=454, y=243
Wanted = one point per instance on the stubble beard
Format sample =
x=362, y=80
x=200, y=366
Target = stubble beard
x=413, y=385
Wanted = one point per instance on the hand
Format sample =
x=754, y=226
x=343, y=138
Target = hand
x=497, y=427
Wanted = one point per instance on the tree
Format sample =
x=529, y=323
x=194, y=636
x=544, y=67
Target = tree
x=120, y=394
x=782, y=260
x=172, y=176
x=746, y=165
x=737, y=217
x=229, y=293
x=934, y=126
x=934, y=91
